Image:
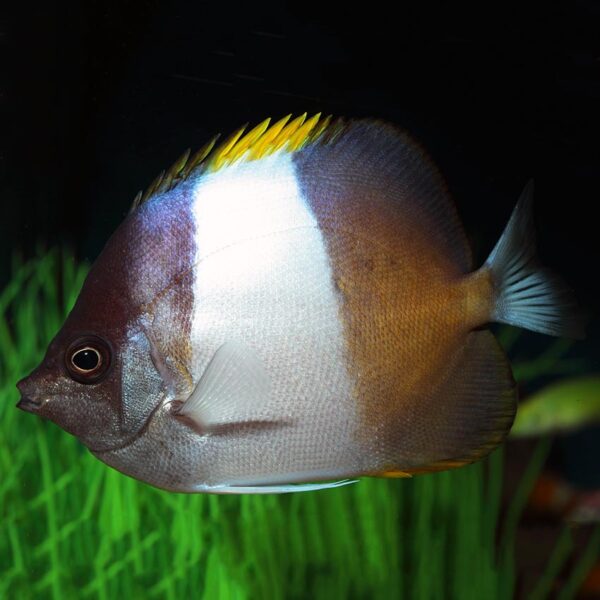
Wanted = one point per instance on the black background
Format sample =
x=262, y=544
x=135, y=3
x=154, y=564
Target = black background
x=97, y=98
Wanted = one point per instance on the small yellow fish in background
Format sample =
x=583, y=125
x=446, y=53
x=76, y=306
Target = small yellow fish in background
x=297, y=304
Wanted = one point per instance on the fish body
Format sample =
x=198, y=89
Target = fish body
x=299, y=306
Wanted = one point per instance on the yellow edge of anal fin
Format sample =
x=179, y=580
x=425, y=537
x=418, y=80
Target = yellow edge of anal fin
x=429, y=468
x=392, y=474
x=440, y=466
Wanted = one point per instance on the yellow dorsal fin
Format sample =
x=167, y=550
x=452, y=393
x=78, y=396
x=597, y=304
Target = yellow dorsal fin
x=219, y=155
x=287, y=132
x=299, y=138
x=260, y=141
x=258, y=148
x=198, y=157
x=244, y=144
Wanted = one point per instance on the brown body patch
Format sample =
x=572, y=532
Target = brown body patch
x=400, y=259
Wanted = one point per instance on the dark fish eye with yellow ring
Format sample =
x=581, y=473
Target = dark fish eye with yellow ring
x=88, y=359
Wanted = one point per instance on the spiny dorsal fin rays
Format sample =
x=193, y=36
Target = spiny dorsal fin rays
x=219, y=155
x=152, y=187
x=136, y=201
x=302, y=133
x=178, y=165
x=164, y=184
x=258, y=148
x=287, y=132
x=244, y=143
x=180, y=170
x=322, y=125
x=234, y=148
x=199, y=157
x=262, y=140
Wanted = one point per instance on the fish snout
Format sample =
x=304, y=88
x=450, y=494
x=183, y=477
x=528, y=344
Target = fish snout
x=28, y=402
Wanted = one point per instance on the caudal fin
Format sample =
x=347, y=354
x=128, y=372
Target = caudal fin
x=526, y=294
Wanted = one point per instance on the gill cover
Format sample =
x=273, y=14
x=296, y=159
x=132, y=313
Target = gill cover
x=142, y=385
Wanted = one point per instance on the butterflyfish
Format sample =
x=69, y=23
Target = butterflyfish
x=290, y=309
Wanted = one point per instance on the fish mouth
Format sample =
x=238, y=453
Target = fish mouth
x=28, y=404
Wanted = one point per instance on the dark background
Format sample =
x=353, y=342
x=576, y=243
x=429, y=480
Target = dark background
x=97, y=97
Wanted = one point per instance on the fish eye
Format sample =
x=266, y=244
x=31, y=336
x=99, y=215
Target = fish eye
x=88, y=359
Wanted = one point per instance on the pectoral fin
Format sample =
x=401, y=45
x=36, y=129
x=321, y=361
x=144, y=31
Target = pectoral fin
x=234, y=388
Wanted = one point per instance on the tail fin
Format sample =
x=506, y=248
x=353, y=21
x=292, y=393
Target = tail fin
x=526, y=294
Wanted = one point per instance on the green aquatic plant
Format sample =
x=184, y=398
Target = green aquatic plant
x=72, y=527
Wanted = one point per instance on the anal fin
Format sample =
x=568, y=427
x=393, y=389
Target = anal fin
x=392, y=474
x=465, y=415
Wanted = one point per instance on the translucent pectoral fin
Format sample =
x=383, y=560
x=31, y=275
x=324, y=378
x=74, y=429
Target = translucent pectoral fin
x=234, y=388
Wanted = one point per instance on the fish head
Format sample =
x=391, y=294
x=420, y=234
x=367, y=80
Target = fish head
x=99, y=379
x=76, y=385
x=100, y=385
